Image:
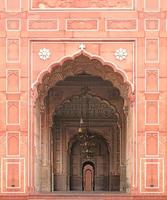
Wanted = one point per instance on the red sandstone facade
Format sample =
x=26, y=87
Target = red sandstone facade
x=42, y=43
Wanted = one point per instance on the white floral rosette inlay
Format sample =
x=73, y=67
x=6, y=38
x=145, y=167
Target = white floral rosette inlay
x=121, y=54
x=44, y=54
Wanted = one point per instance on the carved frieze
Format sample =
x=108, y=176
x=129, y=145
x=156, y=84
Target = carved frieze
x=55, y=4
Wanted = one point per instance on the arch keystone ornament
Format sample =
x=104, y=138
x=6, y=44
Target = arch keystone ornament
x=82, y=46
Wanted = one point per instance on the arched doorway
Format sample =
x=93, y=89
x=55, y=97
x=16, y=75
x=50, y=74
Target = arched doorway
x=88, y=177
x=57, y=88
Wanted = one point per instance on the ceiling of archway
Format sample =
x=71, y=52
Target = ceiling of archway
x=87, y=106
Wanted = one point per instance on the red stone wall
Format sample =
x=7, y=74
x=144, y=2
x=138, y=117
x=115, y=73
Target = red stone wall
x=104, y=28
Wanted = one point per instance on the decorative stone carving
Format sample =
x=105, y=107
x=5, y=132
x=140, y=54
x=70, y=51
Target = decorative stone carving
x=82, y=46
x=132, y=98
x=124, y=4
x=44, y=54
x=121, y=54
x=126, y=110
x=77, y=65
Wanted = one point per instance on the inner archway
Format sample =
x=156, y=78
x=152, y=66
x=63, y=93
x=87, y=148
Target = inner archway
x=102, y=118
x=97, y=166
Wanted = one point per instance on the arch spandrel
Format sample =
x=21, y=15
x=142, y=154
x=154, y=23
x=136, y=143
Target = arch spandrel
x=71, y=66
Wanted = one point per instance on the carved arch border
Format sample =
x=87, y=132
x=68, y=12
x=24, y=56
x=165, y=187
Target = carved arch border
x=79, y=62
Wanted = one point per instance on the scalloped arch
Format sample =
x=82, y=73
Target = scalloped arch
x=82, y=61
x=89, y=95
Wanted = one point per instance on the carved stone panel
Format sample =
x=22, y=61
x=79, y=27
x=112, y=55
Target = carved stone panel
x=152, y=24
x=13, y=175
x=151, y=175
x=42, y=24
x=152, y=50
x=152, y=80
x=13, y=112
x=81, y=25
x=13, y=81
x=122, y=24
x=152, y=5
x=152, y=112
x=13, y=50
x=13, y=6
x=13, y=144
x=152, y=144
x=13, y=24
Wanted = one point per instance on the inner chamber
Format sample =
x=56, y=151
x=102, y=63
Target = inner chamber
x=95, y=170
x=101, y=107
